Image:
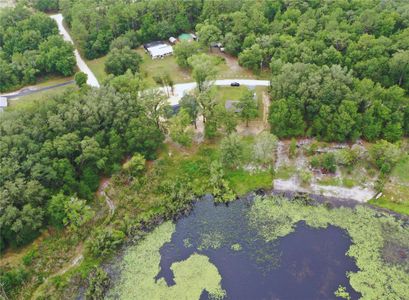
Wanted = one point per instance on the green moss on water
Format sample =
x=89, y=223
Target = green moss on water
x=211, y=240
x=141, y=265
x=236, y=247
x=370, y=232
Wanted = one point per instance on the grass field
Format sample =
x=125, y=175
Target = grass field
x=97, y=67
x=396, y=191
x=35, y=98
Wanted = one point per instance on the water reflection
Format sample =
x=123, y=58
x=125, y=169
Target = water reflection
x=306, y=264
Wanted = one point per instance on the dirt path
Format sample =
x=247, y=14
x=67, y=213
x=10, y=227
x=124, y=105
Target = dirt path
x=92, y=80
x=266, y=107
x=101, y=192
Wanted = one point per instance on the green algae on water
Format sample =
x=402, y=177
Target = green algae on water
x=211, y=240
x=236, y=247
x=370, y=232
x=141, y=265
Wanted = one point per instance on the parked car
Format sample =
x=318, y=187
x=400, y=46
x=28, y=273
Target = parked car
x=234, y=84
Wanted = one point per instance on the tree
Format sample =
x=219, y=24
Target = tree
x=264, y=148
x=208, y=34
x=120, y=60
x=220, y=187
x=80, y=79
x=385, y=155
x=57, y=56
x=128, y=83
x=252, y=58
x=180, y=132
x=399, y=66
x=183, y=51
x=135, y=166
x=190, y=105
x=56, y=209
x=77, y=213
x=203, y=69
x=155, y=105
x=286, y=118
x=248, y=107
x=231, y=151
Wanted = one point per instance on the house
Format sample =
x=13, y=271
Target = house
x=158, y=49
x=172, y=40
x=3, y=103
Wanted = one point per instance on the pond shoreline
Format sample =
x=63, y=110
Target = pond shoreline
x=112, y=264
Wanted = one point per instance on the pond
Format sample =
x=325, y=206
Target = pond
x=216, y=252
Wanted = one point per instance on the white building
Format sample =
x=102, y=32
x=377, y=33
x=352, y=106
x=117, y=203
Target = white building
x=160, y=51
x=172, y=40
x=3, y=103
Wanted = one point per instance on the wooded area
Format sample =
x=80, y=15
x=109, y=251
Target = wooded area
x=30, y=46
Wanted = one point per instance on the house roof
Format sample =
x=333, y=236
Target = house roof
x=159, y=50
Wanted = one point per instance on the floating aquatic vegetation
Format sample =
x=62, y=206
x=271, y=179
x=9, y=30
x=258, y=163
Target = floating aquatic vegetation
x=141, y=265
x=275, y=217
x=212, y=240
x=236, y=247
x=187, y=243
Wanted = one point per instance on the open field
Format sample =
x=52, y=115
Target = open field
x=226, y=69
x=396, y=191
x=97, y=67
x=35, y=98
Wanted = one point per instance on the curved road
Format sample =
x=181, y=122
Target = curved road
x=92, y=80
x=180, y=89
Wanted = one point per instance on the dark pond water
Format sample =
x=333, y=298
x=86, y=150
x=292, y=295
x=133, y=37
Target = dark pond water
x=306, y=264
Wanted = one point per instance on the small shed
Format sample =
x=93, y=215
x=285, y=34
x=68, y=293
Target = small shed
x=3, y=103
x=172, y=40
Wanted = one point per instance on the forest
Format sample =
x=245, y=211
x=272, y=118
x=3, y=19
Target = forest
x=62, y=147
x=30, y=47
x=346, y=61
x=338, y=72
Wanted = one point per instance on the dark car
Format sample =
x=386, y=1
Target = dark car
x=235, y=84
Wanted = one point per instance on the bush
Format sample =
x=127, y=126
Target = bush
x=12, y=280
x=80, y=78
x=135, y=166
x=231, y=151
x=98, y=283
x=28, y=258
x=120, y=60
x=105, y=241
x=324, y=161
x=385, y=155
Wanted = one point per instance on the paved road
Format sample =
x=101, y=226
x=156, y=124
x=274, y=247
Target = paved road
x=180, y=89
x=92, y=80
x=32, y=90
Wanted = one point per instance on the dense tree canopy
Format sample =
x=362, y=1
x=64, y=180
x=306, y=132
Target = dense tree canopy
x=29, y=47
x=60, y=148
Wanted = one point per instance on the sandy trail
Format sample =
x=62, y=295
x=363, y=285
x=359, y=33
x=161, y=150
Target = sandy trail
x=92, y=80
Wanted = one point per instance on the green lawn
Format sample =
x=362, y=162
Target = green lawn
x=154, y=67
x=33, y=99
x=97, y=67
x=396, y=191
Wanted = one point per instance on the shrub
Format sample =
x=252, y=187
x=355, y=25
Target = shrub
x=135, y=166
x=105, y=241
x=385, y=155
x=80, y=78
x=231, y=150
x=98, y=283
